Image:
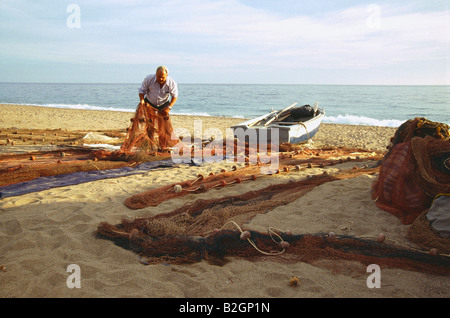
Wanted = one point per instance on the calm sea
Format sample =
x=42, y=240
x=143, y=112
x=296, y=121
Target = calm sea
x=344, y=104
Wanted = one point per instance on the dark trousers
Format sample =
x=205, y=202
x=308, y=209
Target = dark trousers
x=157, y=107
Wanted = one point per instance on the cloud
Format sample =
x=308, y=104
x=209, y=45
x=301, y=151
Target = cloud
x=224, y=35
x=360, y=36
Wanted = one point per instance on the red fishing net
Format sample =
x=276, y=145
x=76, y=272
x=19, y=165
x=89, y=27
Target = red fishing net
x=17, y=168
x=215, y=229
x=415, y=170
x=294, y=160
x=150, y=129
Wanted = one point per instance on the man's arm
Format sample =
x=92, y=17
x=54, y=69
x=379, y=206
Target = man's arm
x=141, y=98
x=173, y=94
x=172, y=102
x=143, y=89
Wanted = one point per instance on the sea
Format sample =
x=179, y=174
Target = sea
x=372, y=105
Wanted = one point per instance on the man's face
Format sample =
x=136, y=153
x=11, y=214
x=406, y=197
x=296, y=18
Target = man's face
x=161, y=77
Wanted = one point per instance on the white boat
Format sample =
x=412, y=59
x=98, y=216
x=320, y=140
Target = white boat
x=292, y=124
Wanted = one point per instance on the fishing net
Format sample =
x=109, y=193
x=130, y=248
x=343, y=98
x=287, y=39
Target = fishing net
x=415, y=170
x=17, y=168
x=420, y=127
x=150, y=129
x=148, y=138
x=214, y=229
x=424, y=235
x=33, y=154
x=431, y=229
x=290, y=160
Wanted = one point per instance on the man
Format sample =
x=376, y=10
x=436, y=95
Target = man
x=156, y=90
x=158, y=93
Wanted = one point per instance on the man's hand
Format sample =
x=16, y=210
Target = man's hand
x=165, y=113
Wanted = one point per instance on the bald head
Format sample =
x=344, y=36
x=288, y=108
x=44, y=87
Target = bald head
x=162, y=69
x=161, y=74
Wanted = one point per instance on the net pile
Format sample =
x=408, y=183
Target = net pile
x=150, y=129
x=415, y=170
x=214, y=229
x=420, y=127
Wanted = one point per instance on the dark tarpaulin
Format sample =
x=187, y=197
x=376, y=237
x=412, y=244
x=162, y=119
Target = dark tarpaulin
x=45, y=183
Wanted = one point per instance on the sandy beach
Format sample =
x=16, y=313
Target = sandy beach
x=42, y=233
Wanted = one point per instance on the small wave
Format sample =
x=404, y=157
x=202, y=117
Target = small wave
x=78, y=106
x=190, y=114
x=88, y=107
x=204, y=114
x=362, y=120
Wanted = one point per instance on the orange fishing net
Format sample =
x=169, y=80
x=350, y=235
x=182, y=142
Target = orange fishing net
x=215, y=229
x=150, y=129
x=17, y=168
x=415, y=170
x=422, y=234
x=293, y=160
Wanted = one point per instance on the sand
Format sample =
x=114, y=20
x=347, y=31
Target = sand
x=42, y=233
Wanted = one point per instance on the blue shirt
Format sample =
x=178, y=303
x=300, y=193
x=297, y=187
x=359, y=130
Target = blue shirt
x=156, y=94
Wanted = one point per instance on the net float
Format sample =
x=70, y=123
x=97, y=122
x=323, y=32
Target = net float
x=177, y=188
x=245, y=235
x=200, y=177
x=237, y=180
x=222, y=183
x=284, y=244
x=434, y=252
x=381, y=237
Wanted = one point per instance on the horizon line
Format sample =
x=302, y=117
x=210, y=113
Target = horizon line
x=194, y=83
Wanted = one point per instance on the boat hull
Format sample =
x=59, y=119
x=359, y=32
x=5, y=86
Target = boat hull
x=278, y=132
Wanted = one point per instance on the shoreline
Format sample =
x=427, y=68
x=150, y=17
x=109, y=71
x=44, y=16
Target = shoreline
x=241, y=119
x=42, y=117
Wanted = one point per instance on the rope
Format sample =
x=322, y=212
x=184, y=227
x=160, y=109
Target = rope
x=309, y=138
x=401, y=244
x=94, y=165
x=272, y=232
x=253, y=243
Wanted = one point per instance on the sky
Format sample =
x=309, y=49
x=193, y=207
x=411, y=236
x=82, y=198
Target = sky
x=395, y=42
